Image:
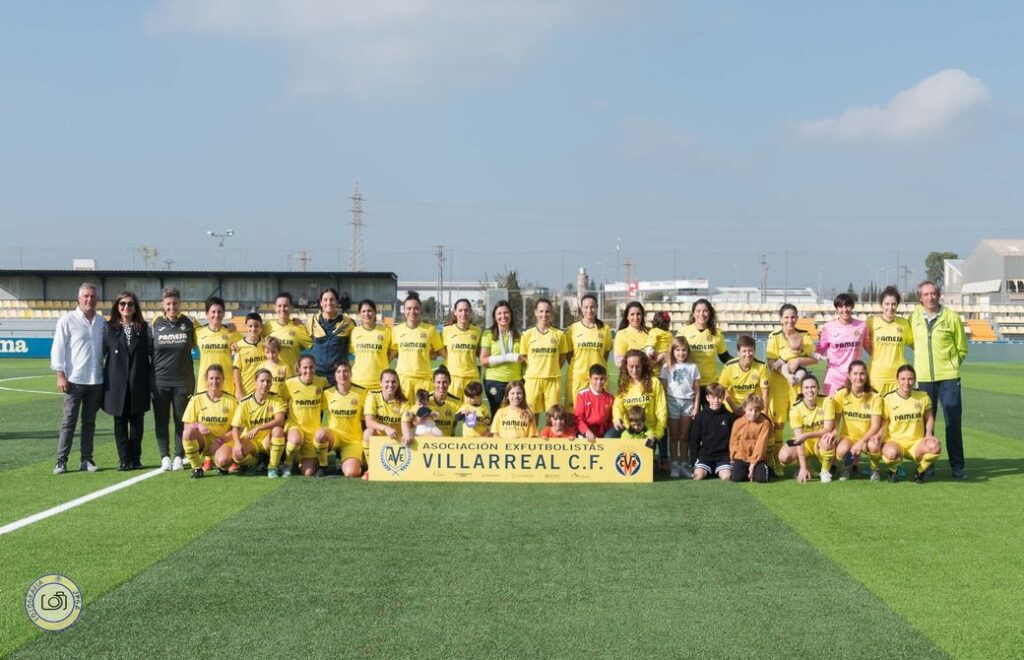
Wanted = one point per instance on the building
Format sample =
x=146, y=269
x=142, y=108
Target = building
x=992, y=274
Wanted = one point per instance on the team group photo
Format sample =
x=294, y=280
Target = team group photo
x=532, y=329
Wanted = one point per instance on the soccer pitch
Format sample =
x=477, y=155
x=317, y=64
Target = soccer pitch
x=244, y=567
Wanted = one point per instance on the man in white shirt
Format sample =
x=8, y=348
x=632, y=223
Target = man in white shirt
x=77, y=357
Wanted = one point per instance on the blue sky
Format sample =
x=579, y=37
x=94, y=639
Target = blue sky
x=532, y=135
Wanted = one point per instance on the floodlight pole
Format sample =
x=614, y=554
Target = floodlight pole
x=221, y=238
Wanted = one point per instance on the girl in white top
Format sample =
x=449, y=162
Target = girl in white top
x=681, y=379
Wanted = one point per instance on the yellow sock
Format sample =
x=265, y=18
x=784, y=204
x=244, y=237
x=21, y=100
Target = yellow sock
x=827, y=458
x=873, y=460
x=289, y=453
x=892, y=464
x=276, y=449
x=192, y=453
x=927, y=460
x=321, y=453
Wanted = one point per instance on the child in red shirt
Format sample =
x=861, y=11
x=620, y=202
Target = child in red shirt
x=594, y=406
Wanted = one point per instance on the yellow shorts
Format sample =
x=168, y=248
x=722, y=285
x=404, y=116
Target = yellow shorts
x=410, y=384
x=542, y=393
x=340, y=440
x=458, y=386
x=371, y=386
x=574, y=387
x=350, y=450
x=885, y=387
x=909, y=447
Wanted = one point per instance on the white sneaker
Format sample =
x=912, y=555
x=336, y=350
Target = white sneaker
x=165, y=464
x=88, y=466
x=177, y=465
x=826, y=476
x=674, y=470
x=287, y=471
x=185, y=463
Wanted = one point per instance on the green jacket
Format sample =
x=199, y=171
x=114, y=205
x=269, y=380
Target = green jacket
x=938, y=353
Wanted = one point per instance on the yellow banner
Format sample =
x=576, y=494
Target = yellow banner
x=534, y=460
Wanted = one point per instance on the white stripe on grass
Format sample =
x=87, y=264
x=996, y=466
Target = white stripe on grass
x=15, y=389
x=78, y=501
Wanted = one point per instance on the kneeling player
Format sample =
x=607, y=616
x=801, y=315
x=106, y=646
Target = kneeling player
x=861, y=410
x=813, y=421
x=305, y=410
x=909, y=427
x=258, y=426
x=344, y=431
x=207, y=420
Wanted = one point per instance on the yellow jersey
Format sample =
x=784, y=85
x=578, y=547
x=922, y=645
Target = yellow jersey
x=251, y=413
x=777, y=346
x=543, y=351
x=653, y=403
x=386, y=413
x=481, y=416
x=628, y=339
x=280, y=372
x=463, y=348
x=293, y=336
x=812, y=420
x=507, y=371
x=905, y=418
x=214, y=415
x=857, y=411
x=305, y=403
x=739, y=383
x=888, y=344
x=445, y=413
x=370, y=348
x=511, y=423
x=345, y=413
x=660, y=340
x=414, y=346
x=704, y=349
x=247, y=360
x=215, y=348
x=589, y=346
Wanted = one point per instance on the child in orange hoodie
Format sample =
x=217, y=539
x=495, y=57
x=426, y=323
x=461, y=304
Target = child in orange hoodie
x=748, y=444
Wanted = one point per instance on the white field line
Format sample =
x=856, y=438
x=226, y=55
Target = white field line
x=60, y=508
x=15, y=389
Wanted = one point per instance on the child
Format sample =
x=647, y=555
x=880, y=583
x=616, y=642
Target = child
x=424, y=418
x=514, y=419
x=711, y=431
x=249, y=355
x=558, y=424
x=682, y=380
x=279, y=371
x=636, y=427
x=659, y=338
x=474, y=414
x=748, y=444
x=593, y=407
x=790, y=355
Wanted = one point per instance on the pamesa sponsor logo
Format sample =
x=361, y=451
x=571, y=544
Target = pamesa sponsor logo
x=13, y=346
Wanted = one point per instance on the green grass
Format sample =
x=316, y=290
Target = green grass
x=250, y=567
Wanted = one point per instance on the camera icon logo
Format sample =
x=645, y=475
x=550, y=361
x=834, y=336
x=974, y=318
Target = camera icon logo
x=53, y=602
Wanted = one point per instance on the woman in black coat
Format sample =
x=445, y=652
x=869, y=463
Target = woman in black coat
x=126, y=377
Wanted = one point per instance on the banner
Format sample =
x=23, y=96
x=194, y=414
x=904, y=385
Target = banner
x=533, y=460
x=25, y=346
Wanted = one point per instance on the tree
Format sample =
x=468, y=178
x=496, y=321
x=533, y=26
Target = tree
x=850, y=290
x=935, y=267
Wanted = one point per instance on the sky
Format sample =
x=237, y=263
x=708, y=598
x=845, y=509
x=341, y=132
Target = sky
x=840, y=140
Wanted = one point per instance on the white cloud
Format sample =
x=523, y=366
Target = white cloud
x=387, y=44
x=928, y=107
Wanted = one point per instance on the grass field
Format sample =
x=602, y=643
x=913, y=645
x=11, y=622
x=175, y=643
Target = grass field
x=232, y=566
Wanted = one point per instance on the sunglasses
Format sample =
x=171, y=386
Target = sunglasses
x=125, y=303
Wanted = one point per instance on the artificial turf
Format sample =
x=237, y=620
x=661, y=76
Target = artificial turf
x=249, y=567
